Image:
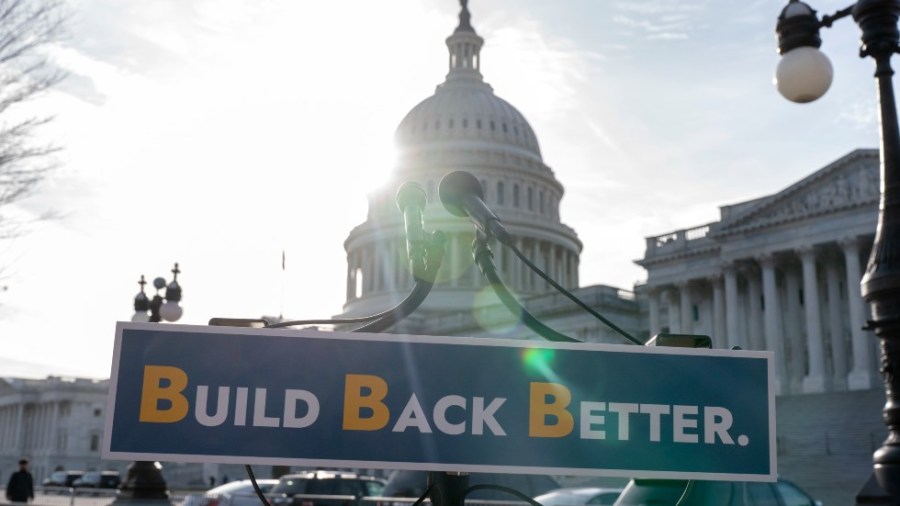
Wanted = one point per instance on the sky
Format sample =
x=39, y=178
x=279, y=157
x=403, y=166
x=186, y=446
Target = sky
x=220, y=134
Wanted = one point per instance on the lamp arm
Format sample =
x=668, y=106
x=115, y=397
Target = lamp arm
x=827, y=20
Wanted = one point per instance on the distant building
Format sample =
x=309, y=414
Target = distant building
x=780, y=273
x=57, y=423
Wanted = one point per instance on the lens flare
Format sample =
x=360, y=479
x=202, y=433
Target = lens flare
x=540, y=361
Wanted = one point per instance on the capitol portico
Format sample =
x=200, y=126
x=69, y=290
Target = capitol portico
x=779, y=273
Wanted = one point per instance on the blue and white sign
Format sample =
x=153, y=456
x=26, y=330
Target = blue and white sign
x=276, y=396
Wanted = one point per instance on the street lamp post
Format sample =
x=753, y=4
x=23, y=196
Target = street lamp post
x=144, y=483
x=159, y=307
x=803, y=75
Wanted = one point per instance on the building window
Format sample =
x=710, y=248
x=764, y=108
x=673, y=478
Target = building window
x=696, y=312
x=515, y=195
x=95, y=443
x=541, y=201
x=493, y=126
x=500, y=193
x=528, y=199
x=478, y=124
x=504, y=128
x=98, y=412
x=465, y=123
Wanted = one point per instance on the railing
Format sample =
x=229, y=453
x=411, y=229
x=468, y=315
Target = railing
x=678, y=240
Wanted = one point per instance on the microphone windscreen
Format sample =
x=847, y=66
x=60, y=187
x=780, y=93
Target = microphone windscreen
x=410, y=193
x=453, y=189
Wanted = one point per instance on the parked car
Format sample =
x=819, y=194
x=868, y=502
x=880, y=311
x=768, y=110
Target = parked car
x=235, y=493
x=98, y=479
x=714, y=493
x=62, y=478
x=414, y=483
x=308, y=489
x=580, y=496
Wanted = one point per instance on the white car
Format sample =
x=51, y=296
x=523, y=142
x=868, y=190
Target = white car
x=235, y=493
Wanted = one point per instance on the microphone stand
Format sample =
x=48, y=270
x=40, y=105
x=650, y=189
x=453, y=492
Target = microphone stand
x=485, y=260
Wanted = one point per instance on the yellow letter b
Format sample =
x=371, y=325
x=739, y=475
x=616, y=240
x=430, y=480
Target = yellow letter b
x=153, y=392
x=355, y=402
x=540, y=410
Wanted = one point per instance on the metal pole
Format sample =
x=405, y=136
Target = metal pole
x=881, y=283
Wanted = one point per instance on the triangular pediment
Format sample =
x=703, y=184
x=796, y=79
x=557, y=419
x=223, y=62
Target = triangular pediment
x=849, y=182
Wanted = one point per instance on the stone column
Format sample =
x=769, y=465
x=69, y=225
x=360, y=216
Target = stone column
x=674, y=311
x=378, y=268
x=754, y=309
x=861, y=377
x=567, y=281
x=350, y=278
x=732, y=305
x=54, y=428
x=795, y=359
x=19, y=438
x=718, y=311
x=774, y=341
x=836, y=325
x=685, y=318
x=815, y=378
x=517, y=276
x=653, y=309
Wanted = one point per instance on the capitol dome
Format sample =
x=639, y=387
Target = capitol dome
x=462, y=126
x=467, y=110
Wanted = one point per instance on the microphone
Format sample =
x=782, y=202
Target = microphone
x=411, y=202
x=462, y=196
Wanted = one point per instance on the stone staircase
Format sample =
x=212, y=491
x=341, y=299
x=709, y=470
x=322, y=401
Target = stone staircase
x=825, y=441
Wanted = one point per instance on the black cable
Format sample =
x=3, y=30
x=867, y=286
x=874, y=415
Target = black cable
x=256, y=488
x=484, y=259
x=402, y=310
x=501, y=488
x=686, y=493
x=338, y=321
x=424, y=496
x=572, y=297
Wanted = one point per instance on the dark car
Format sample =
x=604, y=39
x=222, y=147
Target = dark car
x=714, y=493
x=62, y=478
x=311, y=488
x=98, y=479
x=414, y=483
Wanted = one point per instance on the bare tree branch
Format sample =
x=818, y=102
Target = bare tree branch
x=26, y=28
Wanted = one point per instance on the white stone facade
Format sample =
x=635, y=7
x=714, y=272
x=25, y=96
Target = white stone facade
x=55, y=423
x=780, y=273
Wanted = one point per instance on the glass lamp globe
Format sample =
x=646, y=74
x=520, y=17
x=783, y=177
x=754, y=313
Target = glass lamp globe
x=170, y=311
x=140, y=316
x=804, y=74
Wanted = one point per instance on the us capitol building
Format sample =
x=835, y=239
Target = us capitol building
x=780, y=272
